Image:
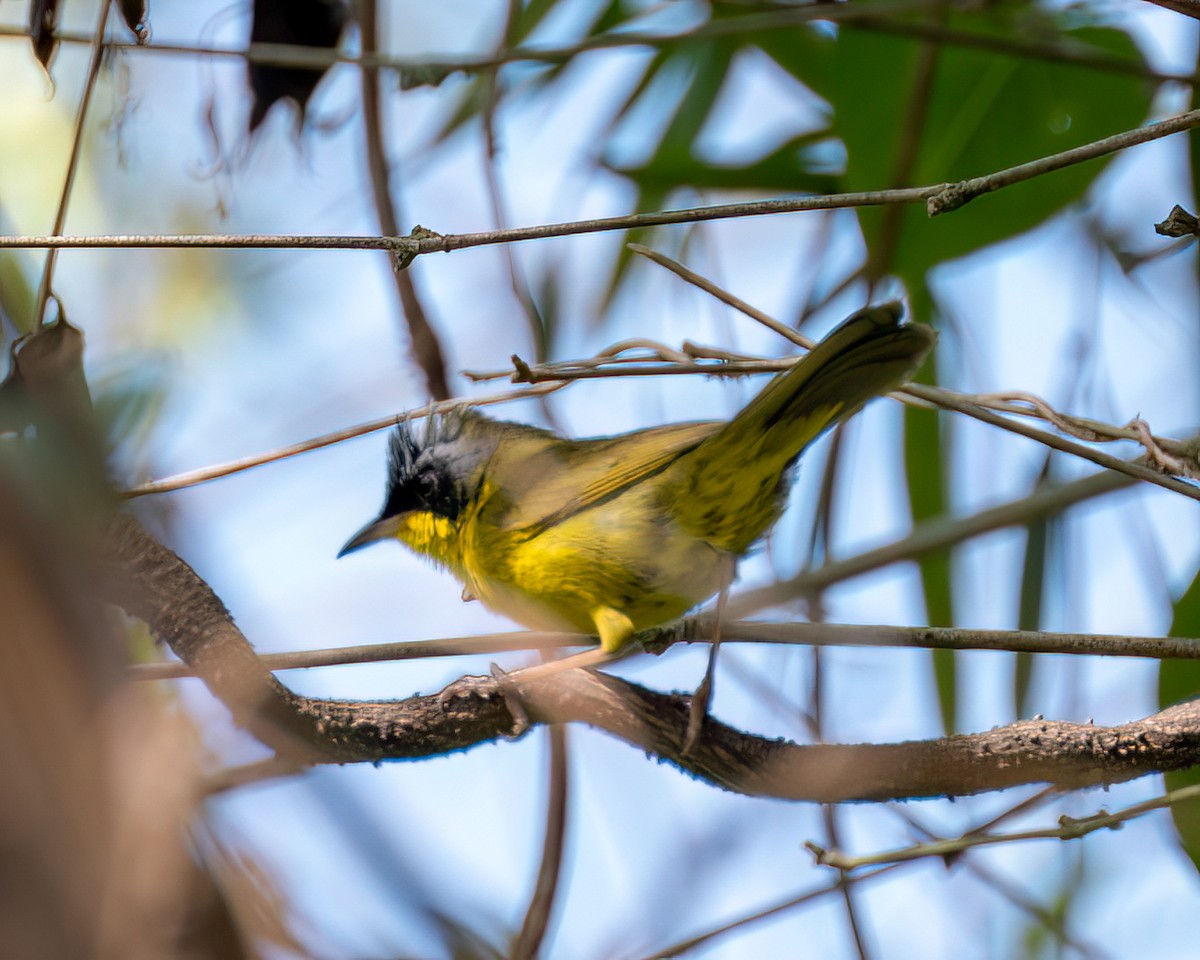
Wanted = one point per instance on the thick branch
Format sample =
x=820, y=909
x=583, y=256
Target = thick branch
x=1033, y=751
x=150, y=582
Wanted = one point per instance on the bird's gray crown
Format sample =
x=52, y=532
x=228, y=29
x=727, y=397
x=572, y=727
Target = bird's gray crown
x=437, y=466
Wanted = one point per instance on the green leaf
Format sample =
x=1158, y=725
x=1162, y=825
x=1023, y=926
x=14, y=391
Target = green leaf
x=17, y=290
x=1193, y=142
x=1180, y=680
x=529, y=19
x=704, y=68
x=787, y=168
x=924, y=456
x=17, y=295
x=982, y=112
x=1029, y=602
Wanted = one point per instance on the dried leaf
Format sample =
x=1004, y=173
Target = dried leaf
x=137, y=17
x=306, y=23
x=43, y=21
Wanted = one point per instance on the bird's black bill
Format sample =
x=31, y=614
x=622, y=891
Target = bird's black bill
x=378, y=529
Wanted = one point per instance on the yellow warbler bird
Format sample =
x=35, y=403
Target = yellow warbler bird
x=613, y=535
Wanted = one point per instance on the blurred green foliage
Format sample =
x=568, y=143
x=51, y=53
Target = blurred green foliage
x=1180, y=680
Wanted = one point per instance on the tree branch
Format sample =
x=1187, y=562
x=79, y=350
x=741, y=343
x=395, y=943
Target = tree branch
x=432, y=69
x=956, y=195
x=1069, y=828
x=699, y=629
x=151, y=582
x=938, y=198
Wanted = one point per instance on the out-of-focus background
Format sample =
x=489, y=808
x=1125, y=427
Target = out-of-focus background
x=1058, y=287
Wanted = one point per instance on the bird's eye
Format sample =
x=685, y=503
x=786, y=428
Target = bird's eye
x=437, y=492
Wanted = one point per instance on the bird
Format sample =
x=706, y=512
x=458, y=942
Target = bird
x=612, y=536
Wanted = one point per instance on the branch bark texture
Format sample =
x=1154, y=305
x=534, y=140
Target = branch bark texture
x=152, y=583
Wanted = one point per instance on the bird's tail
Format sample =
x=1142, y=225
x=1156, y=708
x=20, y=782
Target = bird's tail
x=735, y=473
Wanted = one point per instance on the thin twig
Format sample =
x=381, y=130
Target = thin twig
x=938, y=198
x=1049, y=919
x=867, y=17
x=932, y=535
x=478, y=645
x=1137, y=470
x=955, y=196
x=1069, y=828
x=699, y=629
x=433, y=69
x=720, y=293
x=1026, y=48
x=64, y=198
x=414, y=245
x=1181, y=454
x=231, y=778
x=1016, y=402
x=1169, y=456
x=604, y=368
x=686, y=946
x=204, y=474
x=537, y=916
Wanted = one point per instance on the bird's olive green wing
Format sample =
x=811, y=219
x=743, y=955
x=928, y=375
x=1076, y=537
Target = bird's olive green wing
x=591, y=472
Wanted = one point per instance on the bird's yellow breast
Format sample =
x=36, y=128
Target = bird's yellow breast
x=627, y=554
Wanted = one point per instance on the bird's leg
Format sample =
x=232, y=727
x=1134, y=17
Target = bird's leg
x=615, y=630
x=576, y=661
x=702, y=698
x=516, y=706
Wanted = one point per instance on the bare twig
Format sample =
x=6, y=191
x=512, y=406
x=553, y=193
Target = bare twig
x=939, y=198
x=933, y=535
x=956, y=195
x=1027, y=48
x=699, y=629
x=1018, y=403
x=428, y=242
x=537, y=916
x=1069, y=828
x=231, y=778
x=215, y=472
x=1163, y=452
x=1165, y=456
x=64, y=198
x=866, y=16
x=791, y=903
x=1137, y=470
x=1051, y=920
x=720, y=293
x=152, y=583
x=479, y=645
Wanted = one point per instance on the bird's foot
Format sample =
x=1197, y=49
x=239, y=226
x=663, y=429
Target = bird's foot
x=512, y=700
